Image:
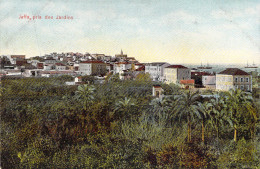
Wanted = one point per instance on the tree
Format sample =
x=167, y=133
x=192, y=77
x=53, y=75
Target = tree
x=114, y=78
x=218, y=116
x=85, y=94
x=123, y=108
x=88, y=79
x=187, y=108
x=4, y=61
x=144, y=77
x=170, y=104
x=205, y=110
x=251, y=117
x=237, y=102
x=158, y=111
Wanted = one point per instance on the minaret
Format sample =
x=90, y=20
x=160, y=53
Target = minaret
x=122, y=52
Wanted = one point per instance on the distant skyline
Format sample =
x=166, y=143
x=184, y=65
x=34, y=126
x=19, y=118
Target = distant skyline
x=179, y=31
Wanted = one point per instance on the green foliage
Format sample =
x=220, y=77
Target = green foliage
x=238, y=155
x=88, y=79
x=143, y=78
x=118, y=124
x=171, y=89
x=85, y=94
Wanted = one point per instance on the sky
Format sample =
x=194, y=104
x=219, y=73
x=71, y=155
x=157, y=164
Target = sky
x=174, y=31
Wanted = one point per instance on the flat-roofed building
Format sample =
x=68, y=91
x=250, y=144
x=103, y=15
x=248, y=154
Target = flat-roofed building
x=209, y=81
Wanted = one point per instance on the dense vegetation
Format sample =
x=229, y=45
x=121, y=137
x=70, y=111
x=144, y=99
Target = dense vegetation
x=118, y=124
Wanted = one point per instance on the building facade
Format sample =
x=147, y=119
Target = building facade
x=175, y=73
x=156, y=70
x=92, y=68
x=60, y=66
x=234, y=78
x=122, y=66
x=209, y=81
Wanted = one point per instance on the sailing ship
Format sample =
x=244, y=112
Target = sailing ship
x=251, y=66
x=204, y=67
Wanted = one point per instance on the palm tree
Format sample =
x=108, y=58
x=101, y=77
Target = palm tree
x=237, y=103
x=250, y=114
x=170, y=106
x=158, y=111
x=205, y=110
x=218, y=116
x=187, y=108
x=123, y=108
x=85, y=94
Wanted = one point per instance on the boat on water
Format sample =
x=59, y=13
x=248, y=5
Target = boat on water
x=251, y=66
x=204, y=67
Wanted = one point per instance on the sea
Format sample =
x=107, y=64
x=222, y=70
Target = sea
x=216, y=68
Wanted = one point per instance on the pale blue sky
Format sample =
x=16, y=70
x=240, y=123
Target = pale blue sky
x=176, y=31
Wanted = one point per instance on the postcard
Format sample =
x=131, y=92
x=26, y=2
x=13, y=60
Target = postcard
x=129, y=84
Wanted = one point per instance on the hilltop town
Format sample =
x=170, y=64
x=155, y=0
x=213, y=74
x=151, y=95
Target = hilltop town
x=128, y=68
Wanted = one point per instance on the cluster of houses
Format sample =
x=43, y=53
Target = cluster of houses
x=128, y=68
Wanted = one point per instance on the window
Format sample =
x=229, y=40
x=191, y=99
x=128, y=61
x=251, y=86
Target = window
x=242, y=87
x=247, y=79
x=242, y=79
x=236, y=79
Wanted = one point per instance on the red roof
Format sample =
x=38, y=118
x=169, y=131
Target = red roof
x=156, y=86
x=92, y=61
x=40, y=65
x=59, y=64
x=190, y=81
x=141, y=68
x=177, y=66
x=233, y=71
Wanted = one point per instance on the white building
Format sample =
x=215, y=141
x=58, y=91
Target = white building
x=92, y=68
x=121, y=66
x=175, y=73
x=156, y=70
x=32, y=72
x=48, y=67
x=233, y=78
x=50, y=61
x=60, y=66
x=209, y=81
x=34, y=62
